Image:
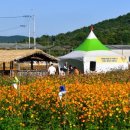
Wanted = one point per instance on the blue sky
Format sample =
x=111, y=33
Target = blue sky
x=57, y=16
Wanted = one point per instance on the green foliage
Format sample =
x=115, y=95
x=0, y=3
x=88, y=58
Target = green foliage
x=5, y=81
x=111, y=31
x=8, y=81
x=12, y=39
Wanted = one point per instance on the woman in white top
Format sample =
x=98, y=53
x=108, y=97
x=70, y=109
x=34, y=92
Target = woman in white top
x=52, y=70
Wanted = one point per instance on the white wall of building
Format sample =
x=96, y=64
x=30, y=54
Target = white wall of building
x=103, y=67
x=123, y=52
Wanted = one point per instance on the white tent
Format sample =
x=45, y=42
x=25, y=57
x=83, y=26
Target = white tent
x=92, y=55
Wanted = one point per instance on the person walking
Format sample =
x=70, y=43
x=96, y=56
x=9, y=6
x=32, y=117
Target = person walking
x=76, y=71
x=51, y=70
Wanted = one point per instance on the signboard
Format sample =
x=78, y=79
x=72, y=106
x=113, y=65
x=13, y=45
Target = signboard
x=111, y=59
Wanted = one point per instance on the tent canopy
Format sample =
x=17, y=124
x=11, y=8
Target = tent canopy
x=91, y=44
x=93, y=55
x=79, y=55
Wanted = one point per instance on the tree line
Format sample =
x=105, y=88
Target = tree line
x=112, y=32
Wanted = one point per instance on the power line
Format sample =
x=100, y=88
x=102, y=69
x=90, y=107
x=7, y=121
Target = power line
x=13, y=28
x=8, y=29
x=12, y=17
x=29, y=18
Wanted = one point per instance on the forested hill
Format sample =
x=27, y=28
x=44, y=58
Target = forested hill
x=12, y=39
x=111, y=31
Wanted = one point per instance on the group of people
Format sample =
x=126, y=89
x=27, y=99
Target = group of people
x=64, y=70
x=69, y=70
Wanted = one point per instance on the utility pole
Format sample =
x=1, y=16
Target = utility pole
x=122, y=47
x=28, y=16
x=34, y=31
x=29, y=33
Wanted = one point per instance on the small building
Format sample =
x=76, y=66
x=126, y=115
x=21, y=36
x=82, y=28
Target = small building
x=11, y=60
x=93, y=56
x=123, y=50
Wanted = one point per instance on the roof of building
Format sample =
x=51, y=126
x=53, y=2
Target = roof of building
x=114, y=47
x=25, y=55
x=91, y=43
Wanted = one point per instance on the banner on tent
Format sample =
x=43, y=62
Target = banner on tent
x=111, y=59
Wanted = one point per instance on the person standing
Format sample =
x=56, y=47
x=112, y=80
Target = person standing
x=76, y=71
x=65, y=68
x=61, y=73
x=51, y=70
x=70, y=69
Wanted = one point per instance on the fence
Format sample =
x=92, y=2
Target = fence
x=32, y=72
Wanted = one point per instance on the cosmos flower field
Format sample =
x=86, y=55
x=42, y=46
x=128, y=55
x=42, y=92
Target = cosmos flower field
x=93, y=101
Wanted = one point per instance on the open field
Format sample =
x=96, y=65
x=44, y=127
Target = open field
x=94, y=101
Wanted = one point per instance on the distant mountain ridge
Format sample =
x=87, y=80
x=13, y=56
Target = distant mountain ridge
x=111, y=31
x=115, y=31
x=12, y=39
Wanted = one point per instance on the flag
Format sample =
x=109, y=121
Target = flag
x=16, y=79
x=15, y=82
x=15, y=85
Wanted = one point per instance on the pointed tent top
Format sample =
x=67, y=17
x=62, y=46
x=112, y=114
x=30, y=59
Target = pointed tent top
x=91, y=35
x=91, y=43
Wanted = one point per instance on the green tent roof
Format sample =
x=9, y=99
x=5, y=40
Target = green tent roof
x=91, y=44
